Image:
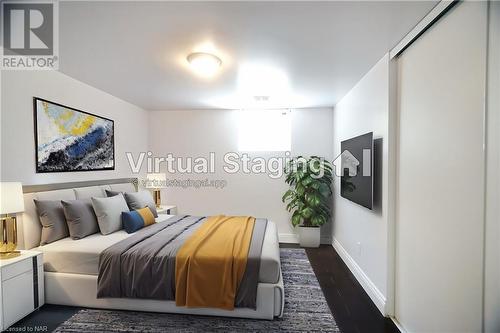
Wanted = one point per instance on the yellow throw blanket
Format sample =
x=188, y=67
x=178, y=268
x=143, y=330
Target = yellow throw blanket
x=211, y=263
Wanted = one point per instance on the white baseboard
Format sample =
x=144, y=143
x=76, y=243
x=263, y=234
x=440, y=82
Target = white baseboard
x=376, y=296
x=288, y=238
x=398, y=325
x=294, y=239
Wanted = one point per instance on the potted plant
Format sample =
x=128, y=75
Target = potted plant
x=310, y=181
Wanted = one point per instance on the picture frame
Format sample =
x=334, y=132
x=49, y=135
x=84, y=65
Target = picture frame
x=71, y=140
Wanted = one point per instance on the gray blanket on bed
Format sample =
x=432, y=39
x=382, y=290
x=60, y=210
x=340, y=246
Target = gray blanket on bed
x=143, y=265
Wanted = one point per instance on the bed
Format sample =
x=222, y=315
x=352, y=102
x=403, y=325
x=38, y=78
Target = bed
x=72, y=266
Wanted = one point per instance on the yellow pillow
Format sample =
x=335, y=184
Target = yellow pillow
x=147, y=215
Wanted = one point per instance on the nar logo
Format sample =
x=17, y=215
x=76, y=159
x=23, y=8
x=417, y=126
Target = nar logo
x=29, y=35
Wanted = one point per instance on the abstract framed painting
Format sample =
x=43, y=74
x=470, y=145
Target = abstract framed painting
x=67, y=139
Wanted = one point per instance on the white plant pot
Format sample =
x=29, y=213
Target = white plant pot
x=309, y=236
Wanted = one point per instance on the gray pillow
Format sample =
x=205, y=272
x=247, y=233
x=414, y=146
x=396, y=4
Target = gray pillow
x=51, y=215
x=80, y=217
x=110, y=193
x=141, y=199
x=109, y=213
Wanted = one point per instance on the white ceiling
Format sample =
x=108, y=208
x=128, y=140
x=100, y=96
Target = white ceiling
x=136, y=50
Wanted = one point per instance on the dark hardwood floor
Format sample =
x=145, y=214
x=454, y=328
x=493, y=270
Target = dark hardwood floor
x=352, y=308
x=45, y=319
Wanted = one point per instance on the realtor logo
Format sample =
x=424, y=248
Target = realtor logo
x=29, y=35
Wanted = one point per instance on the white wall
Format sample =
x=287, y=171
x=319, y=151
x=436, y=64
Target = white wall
x=492, y=248
x=17, y=131
x=440, y=220
x=197, y=133
x=365, y=109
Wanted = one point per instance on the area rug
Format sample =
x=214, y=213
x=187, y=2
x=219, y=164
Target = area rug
x=306, y=310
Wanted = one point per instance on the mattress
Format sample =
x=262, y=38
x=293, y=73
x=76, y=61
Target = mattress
x=82, y=256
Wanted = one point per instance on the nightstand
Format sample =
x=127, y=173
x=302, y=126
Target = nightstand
x=21, y=286
x=166, y=209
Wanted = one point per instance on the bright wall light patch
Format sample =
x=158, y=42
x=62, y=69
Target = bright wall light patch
x=264, y=130
x=262, y=80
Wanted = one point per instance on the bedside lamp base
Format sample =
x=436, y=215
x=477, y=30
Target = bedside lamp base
x=9, y=255
x=157, y=198
x=8, y=237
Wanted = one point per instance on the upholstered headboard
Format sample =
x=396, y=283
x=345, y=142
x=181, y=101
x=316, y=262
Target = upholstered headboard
x=29, y=228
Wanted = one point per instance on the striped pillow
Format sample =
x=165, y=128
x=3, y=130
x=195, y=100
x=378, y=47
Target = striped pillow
x=137, y=219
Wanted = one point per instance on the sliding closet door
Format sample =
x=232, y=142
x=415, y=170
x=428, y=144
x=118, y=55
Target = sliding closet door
x=492, y=253
x=440, y=222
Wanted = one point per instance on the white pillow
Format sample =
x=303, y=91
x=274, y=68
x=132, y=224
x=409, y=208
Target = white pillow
x=109, y=213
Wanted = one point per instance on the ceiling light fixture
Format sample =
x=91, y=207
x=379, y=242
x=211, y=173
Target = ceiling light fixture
x=204, y=64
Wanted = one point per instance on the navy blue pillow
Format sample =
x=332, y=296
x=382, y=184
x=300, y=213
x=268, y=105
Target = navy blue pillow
x=132, y=221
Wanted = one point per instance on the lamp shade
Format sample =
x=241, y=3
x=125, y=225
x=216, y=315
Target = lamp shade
x=11, y=198
x=156, y=180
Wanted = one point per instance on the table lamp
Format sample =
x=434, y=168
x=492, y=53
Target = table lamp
x=11, y=202
x=156, y=181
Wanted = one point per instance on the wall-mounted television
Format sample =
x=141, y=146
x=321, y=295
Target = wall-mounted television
x=356, y=183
